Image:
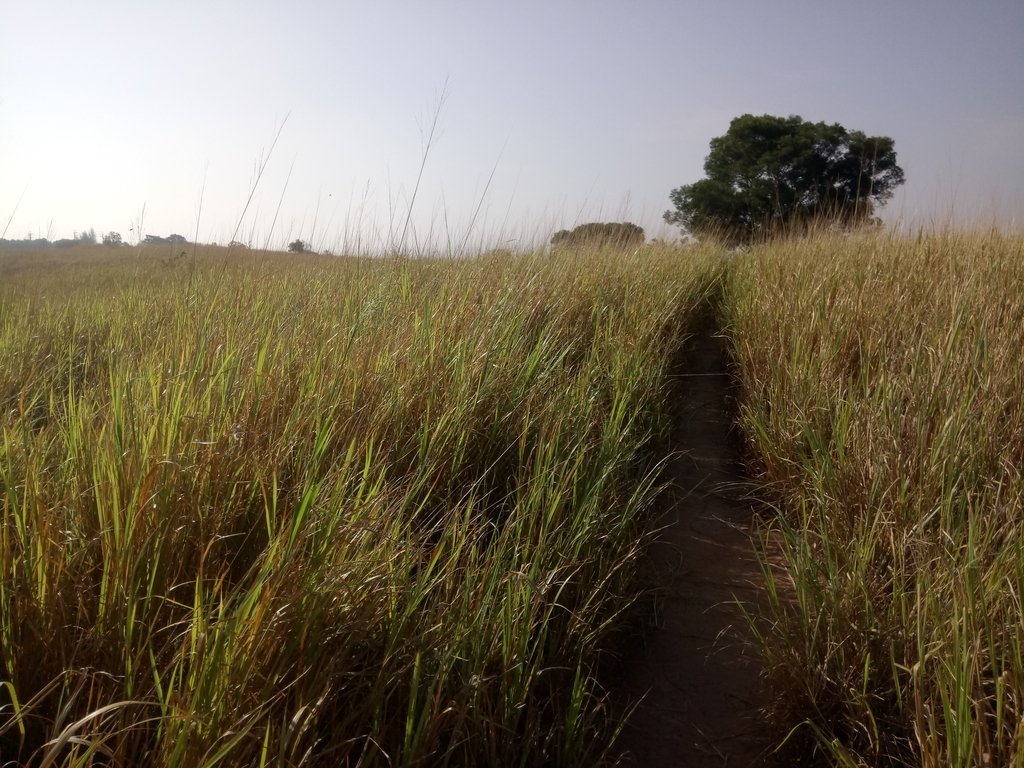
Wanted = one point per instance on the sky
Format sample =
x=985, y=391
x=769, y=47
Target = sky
x=270, y=121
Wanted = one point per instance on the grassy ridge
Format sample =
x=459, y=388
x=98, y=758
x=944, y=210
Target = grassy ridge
x=345, y=513
x=883, y=387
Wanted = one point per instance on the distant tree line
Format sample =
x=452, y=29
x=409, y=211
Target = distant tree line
x=88, y=237
x=169, y=240
x=28, y=244
x=615, y=234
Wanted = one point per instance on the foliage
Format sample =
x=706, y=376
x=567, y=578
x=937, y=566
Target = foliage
x=297, y=246
x=112, y=238
x=28, y=244
x=769, y=173
x=169, y=240
x=595, y=234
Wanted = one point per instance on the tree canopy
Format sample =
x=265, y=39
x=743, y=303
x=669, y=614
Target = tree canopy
x=616, y=234
x=174, y=239
x=767, y=172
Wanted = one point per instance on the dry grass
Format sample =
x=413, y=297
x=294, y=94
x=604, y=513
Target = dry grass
x=883, y=404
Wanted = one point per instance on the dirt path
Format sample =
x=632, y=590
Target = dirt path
x=702, y=686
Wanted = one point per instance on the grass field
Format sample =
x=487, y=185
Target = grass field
x=264, y=510
x=272, y=510
x=883, y=389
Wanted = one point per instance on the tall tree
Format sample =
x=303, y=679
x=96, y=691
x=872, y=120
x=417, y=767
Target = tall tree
x=766, y=172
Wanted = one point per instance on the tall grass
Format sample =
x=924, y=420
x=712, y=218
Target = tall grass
x=316, y=512
x=883, y=404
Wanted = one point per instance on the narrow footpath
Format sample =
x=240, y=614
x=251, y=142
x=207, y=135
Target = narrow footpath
x=698, y=684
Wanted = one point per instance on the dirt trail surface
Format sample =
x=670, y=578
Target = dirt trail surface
x=700, y=684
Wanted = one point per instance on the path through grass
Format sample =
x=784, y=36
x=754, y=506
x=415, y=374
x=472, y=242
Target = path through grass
x=696, y=667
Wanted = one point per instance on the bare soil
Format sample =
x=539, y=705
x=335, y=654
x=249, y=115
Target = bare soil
x=694, y=679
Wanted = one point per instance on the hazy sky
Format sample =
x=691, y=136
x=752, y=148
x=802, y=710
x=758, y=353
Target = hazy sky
x=581, y=110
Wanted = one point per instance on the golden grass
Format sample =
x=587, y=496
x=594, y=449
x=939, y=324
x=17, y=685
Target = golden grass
x=882, y=400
